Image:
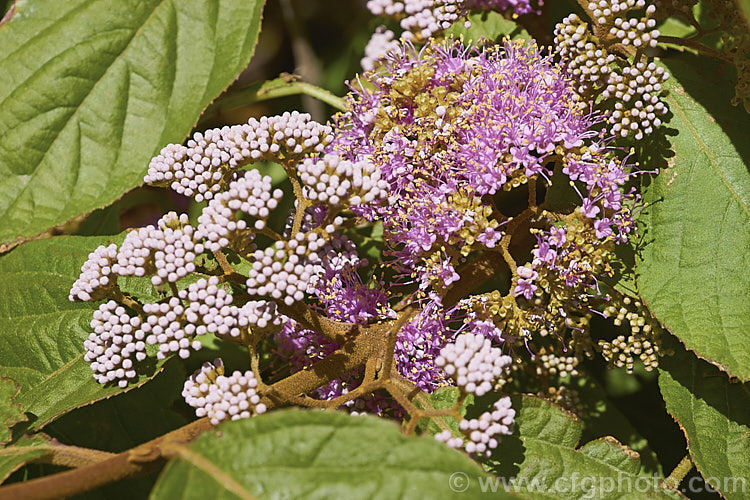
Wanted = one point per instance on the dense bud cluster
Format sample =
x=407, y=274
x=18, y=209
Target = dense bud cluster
x=211, y=159
x=285, y=271
x=630, y=31
x=637, y=106
x=482, y=435
x=643, y=342
x=211, y=309
x=116, y=344
x=588, y=63
x=633, y=87
x=96, y=277
x=381, y=42
x=167, y=251
x=473, y=363
x=422, y=19
x=251, y=194
x=552, y=364
x=340, y=182
x=259, y=313
x=219, y=397
x=166, y=327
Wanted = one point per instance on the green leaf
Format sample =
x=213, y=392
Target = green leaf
x=92, y=89
x=691, y=270
x=42, y=333
x=490, y=26
x=11, y=412
x=315, y=454
x=541, y=458
x=714, y=414
x=25, y=450
x=603, y=418
x=125, y=420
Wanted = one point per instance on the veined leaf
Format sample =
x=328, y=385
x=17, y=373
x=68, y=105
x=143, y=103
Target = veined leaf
x=542, y=459
x=90, y=90
x=314, y=454
x=714, y=414
x=691, y=270
x=42, y=333
x=10, y=411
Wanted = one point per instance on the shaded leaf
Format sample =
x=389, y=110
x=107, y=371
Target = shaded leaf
x=314, y=454
x=697, y=226
x=122, y=422
x=541, y=458
x=603, y=418
x=444, y=398
x=91, y=89
x=714, y=414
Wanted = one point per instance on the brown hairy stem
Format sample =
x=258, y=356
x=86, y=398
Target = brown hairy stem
x=130, y=463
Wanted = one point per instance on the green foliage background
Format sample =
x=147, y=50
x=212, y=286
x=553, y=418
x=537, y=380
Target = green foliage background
x=91, y=90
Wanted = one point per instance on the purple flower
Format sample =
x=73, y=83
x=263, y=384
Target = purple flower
x=603, y=229
x=589, y=208
x=526, y=286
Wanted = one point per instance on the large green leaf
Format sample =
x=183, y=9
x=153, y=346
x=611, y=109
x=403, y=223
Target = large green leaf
x=91, y=89
x=314, y=454
x=11, y=412
x=714, y=414
x=691, y=271
x=541, y=458
x=42, y=333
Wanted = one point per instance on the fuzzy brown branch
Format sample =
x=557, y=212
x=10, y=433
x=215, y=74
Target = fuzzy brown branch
x=134, y=462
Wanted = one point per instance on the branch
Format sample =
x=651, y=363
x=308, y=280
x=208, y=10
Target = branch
x=134, y=462
x=678, y=474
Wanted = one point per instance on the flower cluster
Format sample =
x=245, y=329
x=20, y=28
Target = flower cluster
x=431, y=148
x=418, y=127
x=212, y=158
x=96, y=277
x=221, y=397
x=252, y=195
x=115, y=345
x=165, y=251
x=381, y=42
x=473, y=363
x=590, y=53
x=481, y=435
x=334, y=181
